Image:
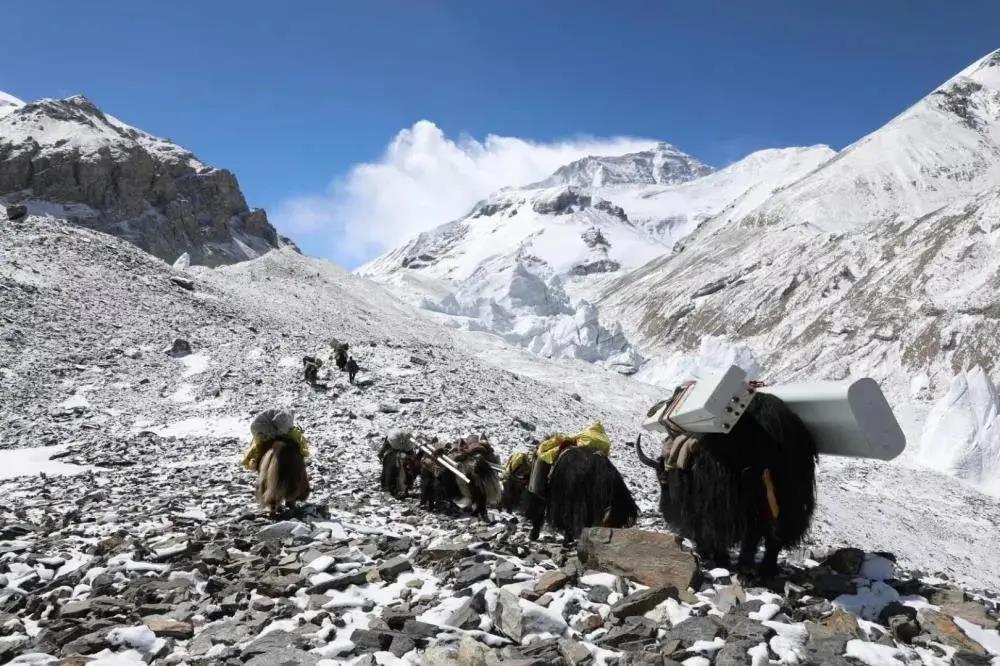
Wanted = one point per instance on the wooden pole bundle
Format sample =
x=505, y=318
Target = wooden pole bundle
x=445, y=461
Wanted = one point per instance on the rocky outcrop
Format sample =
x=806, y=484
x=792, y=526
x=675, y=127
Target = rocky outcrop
x=652, y=558
x=66, y=157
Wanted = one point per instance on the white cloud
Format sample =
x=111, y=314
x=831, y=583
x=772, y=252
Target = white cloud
x=422, y=180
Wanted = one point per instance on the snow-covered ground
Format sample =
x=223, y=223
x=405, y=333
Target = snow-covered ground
x=34, y=461
x=164, y=498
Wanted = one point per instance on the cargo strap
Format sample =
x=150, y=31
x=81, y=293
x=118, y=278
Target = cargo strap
x=772, y=499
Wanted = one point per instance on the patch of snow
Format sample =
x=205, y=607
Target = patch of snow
x=29, y=462
x=140, y=637
x=715, y=353
x=868, y=601
x=74, y=401
x=195, y=364
x=988, y=638
x=875, y=654
x=185, y=393
x=876, y=567
x=203, y=426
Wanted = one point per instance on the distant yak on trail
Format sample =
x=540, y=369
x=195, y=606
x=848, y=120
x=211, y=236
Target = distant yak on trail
x=756, y=482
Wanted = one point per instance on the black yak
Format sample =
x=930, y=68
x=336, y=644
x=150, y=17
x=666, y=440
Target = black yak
x=340, y=356
x=281, y=476
x=400, y=470
x=515, y=497
x=437, y=486
x=584, y=490
x=311, y=366
x=476, y=460
x=756, y=482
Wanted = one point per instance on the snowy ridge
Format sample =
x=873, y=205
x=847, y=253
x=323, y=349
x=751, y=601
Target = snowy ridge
x=525, y=263
x=8, y=103
x=521, y=265
x=75, y=123
x=68, y=159
x=662, y=165
x=670, y=213
x=944, y=147
x=962, y=435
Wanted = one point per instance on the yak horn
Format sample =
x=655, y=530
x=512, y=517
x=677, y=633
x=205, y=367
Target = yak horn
x=643, y=458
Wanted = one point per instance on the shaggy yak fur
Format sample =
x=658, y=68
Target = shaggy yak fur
x=722, y=499
x=439, y=488
x=399, y=471
x=515, y=497
x=584, y=490
x=281, y=476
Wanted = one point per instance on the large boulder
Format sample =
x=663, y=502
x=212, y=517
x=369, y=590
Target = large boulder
x=651, y=558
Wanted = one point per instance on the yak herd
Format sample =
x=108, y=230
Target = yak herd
x=755, y=483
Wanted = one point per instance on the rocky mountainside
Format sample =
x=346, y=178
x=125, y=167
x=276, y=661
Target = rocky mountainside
x=69, y=159
x=880, y=262
x=944, y=148
x=141, y=544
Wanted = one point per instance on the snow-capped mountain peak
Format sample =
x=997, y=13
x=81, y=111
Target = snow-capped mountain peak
x=67, y=158
x=8, y=103
x=663, y=164
x=944, y=147
x=525, y=262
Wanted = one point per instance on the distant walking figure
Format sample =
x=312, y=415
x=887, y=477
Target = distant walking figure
x=352, y=369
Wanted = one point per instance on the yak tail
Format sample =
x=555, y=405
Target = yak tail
x=282, y=476
x=624, y=512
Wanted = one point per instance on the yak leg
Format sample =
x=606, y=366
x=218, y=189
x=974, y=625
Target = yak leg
x=425, y=493
x=536, y=514
x=478, y=502
x=720, y=556
x=769, y=565
x=748, y=549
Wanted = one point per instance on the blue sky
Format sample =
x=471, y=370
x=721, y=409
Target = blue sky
x=292, y=95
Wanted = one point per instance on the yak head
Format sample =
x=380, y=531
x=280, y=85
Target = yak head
x=657, y=463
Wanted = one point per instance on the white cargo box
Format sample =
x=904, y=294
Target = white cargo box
x=714, y=403
x=850, y=419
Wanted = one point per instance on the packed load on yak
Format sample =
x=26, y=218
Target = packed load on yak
x=462, y=473
x=574, y=485
x=479, y=463
x=738, y=463
x=438, y=484
x=515, y=476
x=278, y=450
x=311, y=366
x=400, y=462
x=340, y=355
x=592, y=437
